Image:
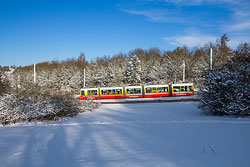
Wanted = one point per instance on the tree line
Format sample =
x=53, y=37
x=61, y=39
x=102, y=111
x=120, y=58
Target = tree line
x=138, y=66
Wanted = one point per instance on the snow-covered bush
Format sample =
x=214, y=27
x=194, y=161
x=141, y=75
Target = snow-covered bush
x=227, y=92
x=51, y=97
x=19, y=107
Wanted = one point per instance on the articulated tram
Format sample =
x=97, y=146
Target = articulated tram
x=144, y=91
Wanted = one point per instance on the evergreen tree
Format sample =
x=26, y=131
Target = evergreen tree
x=243, y=49
x=227, y=91
x=132, y=75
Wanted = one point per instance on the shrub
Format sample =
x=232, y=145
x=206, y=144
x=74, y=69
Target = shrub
x=227, y=91
x=22, y=107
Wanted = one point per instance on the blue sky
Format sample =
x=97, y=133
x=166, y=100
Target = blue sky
x=33, y=31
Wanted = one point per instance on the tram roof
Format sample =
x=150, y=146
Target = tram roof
x=89, y=88
x=133, y=87
x=182, y=84
x=165, y=85
x=119, y=87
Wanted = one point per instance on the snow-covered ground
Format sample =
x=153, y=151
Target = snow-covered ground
x=130, y=135
x=153, y=99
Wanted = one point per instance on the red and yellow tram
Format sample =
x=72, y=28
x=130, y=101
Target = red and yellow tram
x=181, y=89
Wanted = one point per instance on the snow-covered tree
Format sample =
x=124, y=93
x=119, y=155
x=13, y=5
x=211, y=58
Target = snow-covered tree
x=173, y=65
x=4, y=85
x=117, y=68
x=228, y=91
x=132, y=73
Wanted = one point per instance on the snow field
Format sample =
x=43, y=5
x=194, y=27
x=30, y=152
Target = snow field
x=134, y=135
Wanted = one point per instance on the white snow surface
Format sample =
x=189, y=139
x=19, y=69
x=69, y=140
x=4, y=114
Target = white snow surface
x=130, y=135
x=153, y=99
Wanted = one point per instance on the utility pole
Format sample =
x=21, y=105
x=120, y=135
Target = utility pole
x=84, y=78
x=18, y=81
x=34, y=73
x=211, y=59
x=183, y=75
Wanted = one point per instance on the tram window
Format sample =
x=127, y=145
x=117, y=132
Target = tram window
x=130, y=91
x=137, y=90
x=154, y=90
x=183, y=88
x=176, y=88
x=92, y=92
x=165, y=89
x=159, y=90
x=118, y=91
x=190, y=88
x=109, y=92
x=82, y=93
x=113, y=91
x=148, y=90
x=104, y=92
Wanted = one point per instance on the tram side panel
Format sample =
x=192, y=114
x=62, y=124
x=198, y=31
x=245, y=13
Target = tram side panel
x=133, y=92
x=111, y=93
x=182, y=90
x=91, y=93
x=156, y=91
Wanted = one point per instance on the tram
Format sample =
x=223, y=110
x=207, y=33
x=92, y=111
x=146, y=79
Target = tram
x=143, y=91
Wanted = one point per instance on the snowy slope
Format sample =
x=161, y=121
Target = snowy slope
x=130, y=135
